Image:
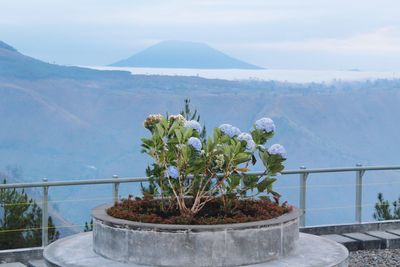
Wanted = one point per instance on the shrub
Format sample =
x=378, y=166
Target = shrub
x=188, y=166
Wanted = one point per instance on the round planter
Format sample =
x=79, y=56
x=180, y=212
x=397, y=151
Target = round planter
x=193, y=245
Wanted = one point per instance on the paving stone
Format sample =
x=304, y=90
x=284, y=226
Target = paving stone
x=349, y=243
x=394, y=231
x=390, y=240
x=12, y=264
x=366, y=241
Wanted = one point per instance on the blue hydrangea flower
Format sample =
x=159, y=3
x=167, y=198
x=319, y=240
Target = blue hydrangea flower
x=277, y=149
x=251, y=145
x=193, y=124
x=265, y=124
x=195, y=143
x=245, y=137
x=229, y=130
x=224, y=126
x=172, y=172
x=235, y=131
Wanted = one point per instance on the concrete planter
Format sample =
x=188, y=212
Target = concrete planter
x=193, y=245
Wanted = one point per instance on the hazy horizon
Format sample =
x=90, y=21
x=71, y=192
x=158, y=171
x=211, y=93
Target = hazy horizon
x=320, y=35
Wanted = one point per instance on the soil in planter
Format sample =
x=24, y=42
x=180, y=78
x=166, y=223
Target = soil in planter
x=151, y=211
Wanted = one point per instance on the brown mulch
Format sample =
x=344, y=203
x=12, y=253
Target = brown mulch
x=165, y=212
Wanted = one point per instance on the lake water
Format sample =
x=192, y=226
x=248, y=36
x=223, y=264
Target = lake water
x=297, y=76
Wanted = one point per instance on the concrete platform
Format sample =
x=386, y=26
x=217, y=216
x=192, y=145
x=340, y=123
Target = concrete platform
x=310, y=251
x=37, y=263
x=12, y=264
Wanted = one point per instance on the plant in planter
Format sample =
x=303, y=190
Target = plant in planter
x=190, y=173
x=202, y=206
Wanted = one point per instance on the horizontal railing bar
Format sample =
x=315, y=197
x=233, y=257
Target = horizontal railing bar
x=343, y=169
x=145, y=179
x=75, y=182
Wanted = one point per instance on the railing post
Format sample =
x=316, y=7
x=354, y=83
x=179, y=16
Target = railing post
x=358, y=206
x=45, y=214
x=303, y=191
x=115, y=189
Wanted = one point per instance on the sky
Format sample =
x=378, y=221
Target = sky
x=284, y=34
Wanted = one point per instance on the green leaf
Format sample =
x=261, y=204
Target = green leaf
x=160, y=130
x=178, y=134
x=265, y=184
x=173, y=127
x=210, y=145
x=237, y=147
x=217, y=134
x=186, y=151
x=164, y=122
x=274, y=164
x=264, y=157
x=188, y=133
x=250, y=180
x=234, y=181
x=241, y=158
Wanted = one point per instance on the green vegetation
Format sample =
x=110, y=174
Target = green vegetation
x=88, y=226
x=20, y=220
x=383, y=210
x=216, y=167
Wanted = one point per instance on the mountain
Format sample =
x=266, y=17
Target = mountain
x=87, y=124
x=179, y=54
x=16, y=65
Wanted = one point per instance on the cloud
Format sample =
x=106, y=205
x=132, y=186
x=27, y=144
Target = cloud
x=381, y=41
x=177, y=13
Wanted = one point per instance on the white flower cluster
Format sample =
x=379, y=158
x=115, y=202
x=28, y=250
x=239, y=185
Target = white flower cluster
x=178, y=117
x=193, y=124
x=195, y=143
x=250, y=144
x=265, y=124
x=277, y=149
x=151, y=120
x=229, y=130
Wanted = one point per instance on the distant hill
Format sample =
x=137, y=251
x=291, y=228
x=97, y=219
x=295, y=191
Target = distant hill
x=179, y=54
x=16, y=65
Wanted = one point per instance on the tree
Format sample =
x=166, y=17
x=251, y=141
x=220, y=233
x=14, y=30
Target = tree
x=383, y=210
x=20, y=220
x=88, y=226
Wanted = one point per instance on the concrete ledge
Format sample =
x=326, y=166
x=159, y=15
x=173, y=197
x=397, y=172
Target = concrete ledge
x=351, y=228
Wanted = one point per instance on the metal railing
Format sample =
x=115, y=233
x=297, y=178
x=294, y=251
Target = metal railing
x=303, y=173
